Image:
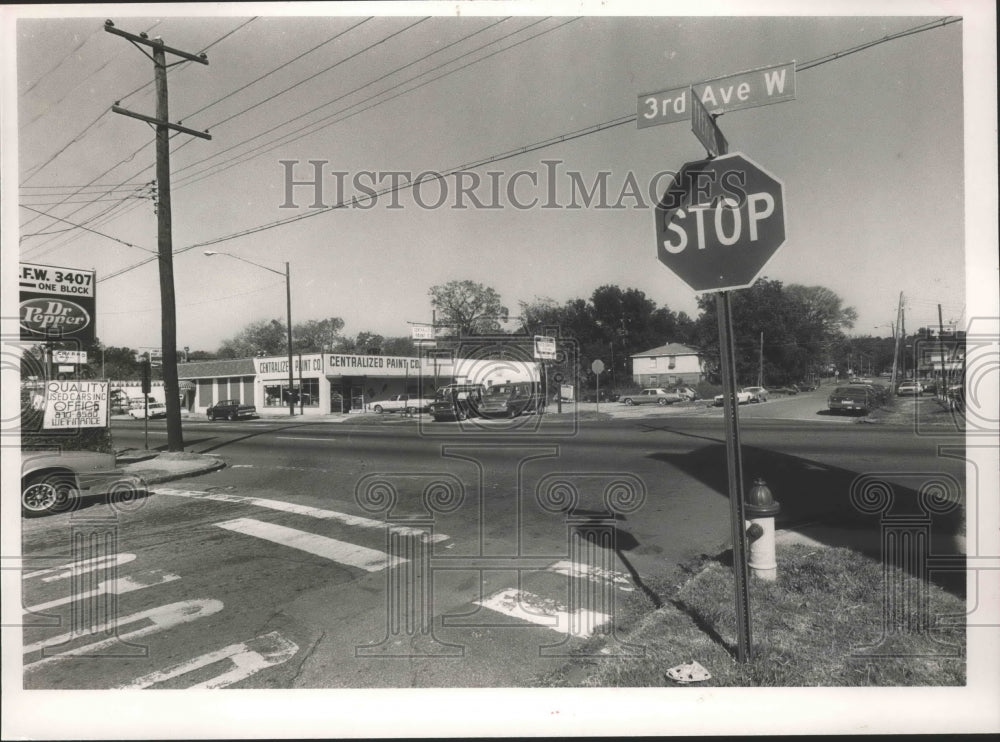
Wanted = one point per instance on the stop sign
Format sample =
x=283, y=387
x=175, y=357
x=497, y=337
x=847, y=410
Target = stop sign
x=719, y=222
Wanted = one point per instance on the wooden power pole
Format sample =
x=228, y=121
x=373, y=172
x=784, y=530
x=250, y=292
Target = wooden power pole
x=171, y=390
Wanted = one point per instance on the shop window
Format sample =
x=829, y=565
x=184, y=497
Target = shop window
x=277, y=395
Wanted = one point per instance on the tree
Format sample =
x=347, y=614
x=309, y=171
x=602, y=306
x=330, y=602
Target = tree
x=800, y=327
x=468, y=308
x=315, y=336
x=268, y=338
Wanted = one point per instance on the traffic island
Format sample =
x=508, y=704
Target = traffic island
x=823, y=622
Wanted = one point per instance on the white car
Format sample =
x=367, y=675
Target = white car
x=757, y=393
x=156, y=409
x=651, y=396
x=742, y=397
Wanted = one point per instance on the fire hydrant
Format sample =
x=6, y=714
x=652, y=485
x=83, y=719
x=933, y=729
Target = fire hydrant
x=761, y=508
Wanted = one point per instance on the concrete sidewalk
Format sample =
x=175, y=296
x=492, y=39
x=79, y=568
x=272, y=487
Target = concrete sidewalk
x=156, y=467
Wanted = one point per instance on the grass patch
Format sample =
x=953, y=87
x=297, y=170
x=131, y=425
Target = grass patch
x=822, y=623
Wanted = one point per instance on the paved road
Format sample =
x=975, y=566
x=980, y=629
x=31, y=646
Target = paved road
x=501, y=557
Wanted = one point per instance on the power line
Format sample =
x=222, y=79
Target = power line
x=539, y=145
x=205, y=159
x=331, y=102
x=80, y=226
x=276, y=69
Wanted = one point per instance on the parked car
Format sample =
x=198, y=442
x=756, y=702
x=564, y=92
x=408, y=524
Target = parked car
x=879, y=393
x=510, y=399
x=851, y=398
x=230, y=409
x=52, y=481
x=606, y=396
x=805, y=386
x=742, y=397
x=685, y=393
x=784, y=390
x=457, y=402
x=757, y=393
x=155, y=410
x=404, y=402
x=909, y=388
x=655, y=395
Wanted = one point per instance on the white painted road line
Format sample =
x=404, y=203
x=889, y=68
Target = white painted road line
x=341, y=552
x=152, y=621
x=544, y=612
x=65, y=571
x=291, y=507
x=594, y=574
x=111, y=587
x=248, y=658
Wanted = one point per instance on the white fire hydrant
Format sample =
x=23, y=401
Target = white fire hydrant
x=761, y=508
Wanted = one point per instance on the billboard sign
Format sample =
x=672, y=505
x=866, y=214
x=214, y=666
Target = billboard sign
x=57, y=303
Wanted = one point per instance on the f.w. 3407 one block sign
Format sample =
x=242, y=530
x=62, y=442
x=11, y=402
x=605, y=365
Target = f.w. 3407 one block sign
x=719, y=222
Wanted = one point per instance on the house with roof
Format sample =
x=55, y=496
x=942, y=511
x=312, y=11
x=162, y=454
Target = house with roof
x=667, y=365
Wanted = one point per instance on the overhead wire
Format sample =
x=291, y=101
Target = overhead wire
x=128, y=158
x=528, y=148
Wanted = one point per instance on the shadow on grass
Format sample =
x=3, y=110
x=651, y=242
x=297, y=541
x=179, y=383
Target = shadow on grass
x=820, y=495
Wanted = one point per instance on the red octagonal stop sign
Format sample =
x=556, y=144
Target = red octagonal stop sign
x=719, y=223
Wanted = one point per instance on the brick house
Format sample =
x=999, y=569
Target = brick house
x=667, y=365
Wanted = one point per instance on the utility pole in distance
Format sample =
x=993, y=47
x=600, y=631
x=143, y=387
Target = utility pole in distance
x=175, y=438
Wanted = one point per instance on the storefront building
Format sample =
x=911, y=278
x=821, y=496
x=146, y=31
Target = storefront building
x=335, y=382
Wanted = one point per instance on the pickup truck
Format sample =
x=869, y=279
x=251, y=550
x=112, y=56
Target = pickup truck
x=230, y=409
x=52, y=481
x=407, y=402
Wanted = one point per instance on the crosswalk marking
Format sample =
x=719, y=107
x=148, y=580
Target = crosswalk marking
x=247, y=659
x=65, y=571
x=342, y=552
x=592, y=573
x=291, y=507
x=544, y=612
x=152, y=621
x=119, y=586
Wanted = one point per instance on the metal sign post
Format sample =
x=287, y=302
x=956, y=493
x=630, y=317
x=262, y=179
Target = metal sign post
x=734, y=460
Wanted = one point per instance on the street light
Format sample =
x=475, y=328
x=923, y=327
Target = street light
x=288, y=306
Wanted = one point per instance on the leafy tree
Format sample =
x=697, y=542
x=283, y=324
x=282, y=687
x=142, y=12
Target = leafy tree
x=315, y=336
x=468, y=308
x=800, y=326
x=264, y=337
x=268, y=337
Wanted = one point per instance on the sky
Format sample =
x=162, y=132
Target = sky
x=872, y=152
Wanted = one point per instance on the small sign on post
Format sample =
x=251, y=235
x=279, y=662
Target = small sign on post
x=597, y=367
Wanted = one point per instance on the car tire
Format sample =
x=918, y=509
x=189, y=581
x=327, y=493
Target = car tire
x=628, y=401
x=460, y=415
x=211, y=416
x=232, y=417
x=378, y=409
x=48, y=493
x=661, y=402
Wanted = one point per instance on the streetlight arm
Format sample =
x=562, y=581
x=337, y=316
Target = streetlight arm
x=212, y=252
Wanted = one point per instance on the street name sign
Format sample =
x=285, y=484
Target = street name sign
x=750, y=89
x=707, y=131
x=719, y=222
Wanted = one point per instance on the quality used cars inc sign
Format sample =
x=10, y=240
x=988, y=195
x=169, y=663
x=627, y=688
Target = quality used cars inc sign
x=75, y=404
x=57, y=303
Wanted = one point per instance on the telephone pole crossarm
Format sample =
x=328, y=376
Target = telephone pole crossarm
x=157, y=122
x=109, y=26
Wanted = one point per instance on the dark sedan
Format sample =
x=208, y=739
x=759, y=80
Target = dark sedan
x=853, y=398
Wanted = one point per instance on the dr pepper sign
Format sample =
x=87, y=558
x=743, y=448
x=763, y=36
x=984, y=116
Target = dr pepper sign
x=719, y=222
x=57, y=303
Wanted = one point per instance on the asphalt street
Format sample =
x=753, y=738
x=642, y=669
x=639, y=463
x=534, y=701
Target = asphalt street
x=397, y=552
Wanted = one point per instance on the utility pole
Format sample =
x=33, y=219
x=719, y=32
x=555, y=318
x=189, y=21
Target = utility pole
x=941, y=348
x=175, y=439
x=760, y=373
x=895, y=337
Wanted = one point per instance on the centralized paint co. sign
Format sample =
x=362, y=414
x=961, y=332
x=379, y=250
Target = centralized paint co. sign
x=51, y=317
